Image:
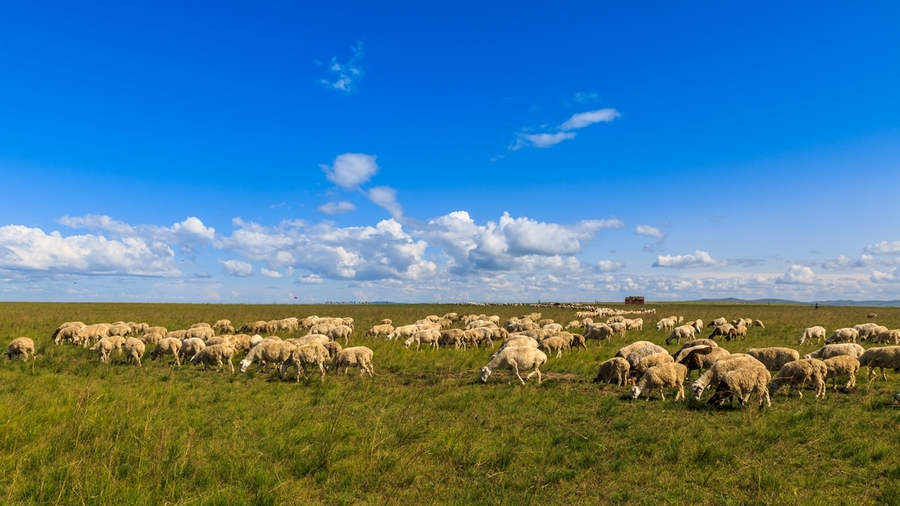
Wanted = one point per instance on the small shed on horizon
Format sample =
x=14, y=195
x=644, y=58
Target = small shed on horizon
x=639, y=301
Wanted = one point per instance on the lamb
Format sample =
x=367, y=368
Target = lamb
x=799, y=372
x=311, y=354
x=842, y=336
x=168, y=346
x=842, y=365
x=106, y=345
x=832, y=350
x=882, y=358
x=20, y=346
x=743, y=383
x=679, y=333
x=340, y=332
x=359, y=356
x=615, y=369
x=134, y=349
x=713, y=375
x=216, y=354
x=652, y=361
x=670, y=375
x=774, y=357
x=380, y=330
x=191, y=346
x=555, y=343
x=634, y=358
x=272, y=351
x=514, y=359
x=817, y=333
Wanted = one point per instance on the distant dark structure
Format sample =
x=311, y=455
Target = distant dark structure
x=638, y=301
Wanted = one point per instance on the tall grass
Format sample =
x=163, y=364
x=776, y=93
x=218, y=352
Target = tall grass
x=424, y=430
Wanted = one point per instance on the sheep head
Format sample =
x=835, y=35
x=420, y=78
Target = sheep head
x=485, y=372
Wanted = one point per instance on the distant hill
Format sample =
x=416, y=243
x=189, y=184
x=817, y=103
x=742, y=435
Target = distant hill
x=861, y=303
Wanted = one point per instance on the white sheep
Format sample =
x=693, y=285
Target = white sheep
x=701, y=357
x=634, y=358
x=833, y=350
x=177, y=334
x=615, y=369
x=20, y=346
x=66, y=332
x=403, y=331
x=380, y=330
x=681, y=332
x=516, y=359
x=842, y=365
x=311, y=354
x=215, y=354
x=718, y=322
x=842, y=336
x=652, y=360
x=152, y=338
x=574, y=324
x=134, y=349
x=886, y=357
x=91, y=334
x=817, y=333
x=430, y=337
x=340, y=332
x=555, y=343
x=268, y=351
x=356, y=356
x=774, y=357
x=106, y=345
x=713, y=375
x=800, y=372
x=453, y=337
x=888, y=337
x=743, y=383
x=624, y=351
x=168, y=346
x=670, y=375
x=190, y=347
x=760, y=324
x=869, y=330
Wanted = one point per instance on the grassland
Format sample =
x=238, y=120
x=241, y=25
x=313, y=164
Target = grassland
x=425, y=430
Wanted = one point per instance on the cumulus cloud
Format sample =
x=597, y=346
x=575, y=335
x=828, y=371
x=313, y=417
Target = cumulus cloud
x=649, y=231
x=610, y=266
x=798, y=274
x=540, y=140
x=698, y=259
x=310, y=279
x=892, y=276
x=345, y=76
x=884, y=248
x=337, y=207
x=269, y=274
x=189, y=235
x=386, y=197
x=584, y=119
x=843, y=262
x=350, y=170
x=237, y=268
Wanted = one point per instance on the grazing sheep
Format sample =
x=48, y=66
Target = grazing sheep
x=168, y=346
x=743, y=383
x=91, y=334
x=453, y=337
x=134, y=350
x=259, y=327
x=718, y=322
x=514, y=359
x=403, y=331
x=871, y=316
x=66, y=332
x=736, y=331
x=269, y=351
x=635, y=324
x=832, y=350
x=888, y=337
x=615, y=369
x=681, y=332
x=159, y=330
x=216, y=354
x=387, y=321
x=886, y=357
x=200, y=325
x=651, y=361
x=177, y=334
x=120, y=329
x=626, y=350
x=615, y=319
x=356, y=356
x=670, y=375
x=190, y=347
x=380, y=330
x=774, y=357
x=800, y=372
x=599, y=331
x=842, y=336
x=103, y=347
x=842, y=365
x=20, y=346
x=333, y=348
x=701, y=357
x=311, y=339
x=555, y=343
x=713, y=375
x=698, y=325
x=202, y=333
x=311, y=354
x=152, y=338
x=340, y=332
x=618, y=329
x=666, y=324
x=721, y=330
x=634, y=358
x=241, y=342
x=574, y=324
x=817, y=333
x=760, y=324
x=699, y=342
x=223, y=327
x=430, y=337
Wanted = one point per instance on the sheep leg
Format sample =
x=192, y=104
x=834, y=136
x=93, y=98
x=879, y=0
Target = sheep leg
x=536, y=371
x=322, y=370
x=515, y=369
x=680, y=394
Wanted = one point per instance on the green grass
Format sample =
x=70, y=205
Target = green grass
x=425, y=430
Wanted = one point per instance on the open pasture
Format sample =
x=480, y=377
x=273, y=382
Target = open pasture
x=425, y=430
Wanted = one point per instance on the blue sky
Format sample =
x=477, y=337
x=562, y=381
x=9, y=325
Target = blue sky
x=408, y=152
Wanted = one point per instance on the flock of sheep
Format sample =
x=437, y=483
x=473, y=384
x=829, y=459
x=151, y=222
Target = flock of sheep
x=526, y=342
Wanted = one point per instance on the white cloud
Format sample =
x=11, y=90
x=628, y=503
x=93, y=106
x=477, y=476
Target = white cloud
x=540, y=140
x=386, y=197
x=337, y=207
x=698, y=259
x=798, y=274
x=189, y=234
x=610, y=266
x=582, y=96
x=350, y=170
x=237, y=268
x=309, y=279
x=31, y=249
x=649, y=231
x=269, y=274
x=843, y=262
x=346, y=76
x=584, y=119
x=884, y=248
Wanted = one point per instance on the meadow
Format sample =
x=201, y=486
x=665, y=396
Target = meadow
x=425, y=429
